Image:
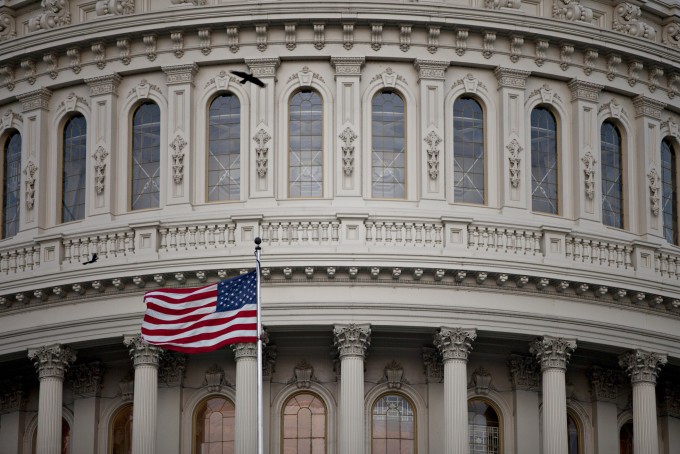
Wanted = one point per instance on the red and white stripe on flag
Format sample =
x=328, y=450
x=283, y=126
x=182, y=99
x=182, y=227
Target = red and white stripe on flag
x=190, y=320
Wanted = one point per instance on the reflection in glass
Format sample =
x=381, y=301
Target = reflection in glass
x=224, y=149
x=304, y=425
x=483, y=427
x=468, y=151
x=393, y=426
x=543, y=161
x=388, y=164
x=73, y=169
x=573, y=435
x=214, y=427
x=121, y=431
x=626, y=438
x=669, y=196
x=612, y=175
x=146, y=156
x=11, y=185
x=305, y=146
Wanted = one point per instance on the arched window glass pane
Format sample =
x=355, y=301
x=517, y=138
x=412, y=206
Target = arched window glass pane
x=120, y=435
x=388, y=176
x=483, y=427
x=73, y=170
x=612, y=175
x=11, y=185
x=626, y=438
x=224, y=149
x=573, y=435
x=146, y=156
x=468, y=151
x=214, y=426
x=305, y=145
x=669, y=198
x=393, y=426
x=544, y=167
x=304, y=425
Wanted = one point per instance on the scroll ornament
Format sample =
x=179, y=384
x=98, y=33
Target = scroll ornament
x=262, y=137
x=572, y=10
x=177, y=146
x=348, y=137
x=626, y=20
x=55, y=14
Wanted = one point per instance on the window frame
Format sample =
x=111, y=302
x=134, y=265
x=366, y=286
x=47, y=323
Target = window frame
x=130, y=159
x=625, y=218
x=60, y=156
x=410, y=401
x=7, y=136
x=558, y=160
x=676, y=207
x=580, y=435
x=111, y=422
x=499, y=414
x=369, y=170
x=194, y=416
x=485, y=153
x=242, y=161
x=282, y=414
x=323, y=144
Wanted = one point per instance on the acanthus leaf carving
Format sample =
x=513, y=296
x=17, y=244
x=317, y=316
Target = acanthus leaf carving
x=100, y=156
x=171, y=368
x=55, y=13
x=653, y=177
x=30, y=170
x=642, y=366
x=514, y=149
x=177, y=155
x=115, y=7
x=670, y=35
x=405, y=38
x=589, y=171
x=552, y=352
x=348, y=137
x=626, y=20
x=319, y=36
x=524, y=373
x=432, y=364
x=489, y=38
x=433, y=140
x=454, y=343
x=262, y=159
x=50, y=60
x=150, y=46
x=571, y=10
x=612, y=66
x=86, y=379
x=28, y=65
x=516, y=43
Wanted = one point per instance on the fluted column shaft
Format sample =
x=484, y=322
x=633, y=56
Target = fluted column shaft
x=246, y=398
x=351, y=342
x=145, y=406
x=455, y=345
x=553, y=355
x=51, y=363
x=643, y=368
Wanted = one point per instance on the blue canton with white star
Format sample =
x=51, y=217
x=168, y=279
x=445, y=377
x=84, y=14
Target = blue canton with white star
x=234, y=293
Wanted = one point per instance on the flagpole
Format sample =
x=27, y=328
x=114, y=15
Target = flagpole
x=260, y=419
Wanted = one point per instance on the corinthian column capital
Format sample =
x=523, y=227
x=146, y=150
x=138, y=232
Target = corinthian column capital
x=454, y=343
x=142, y=353
x=552, y=352
x=642, y=366
x=52, y=361
x=244, y=350
x=352, y=339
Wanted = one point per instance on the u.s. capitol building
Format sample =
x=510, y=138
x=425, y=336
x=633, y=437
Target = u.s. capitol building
x=469, y=212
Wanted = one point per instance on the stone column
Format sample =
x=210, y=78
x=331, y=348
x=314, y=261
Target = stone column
x=12, y=416
x=553, y=354
x=51, y=363
x=526, y=382
x=351, y=341
x=604, y=385
x=643, y=368
x=170, y=378
x=86, y=380
x=144, y=413
x=455, y=345
x=670, y=417
x=246, y=397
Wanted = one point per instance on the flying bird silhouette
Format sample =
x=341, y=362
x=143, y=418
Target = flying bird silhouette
x=248, y=78
x=92, y=260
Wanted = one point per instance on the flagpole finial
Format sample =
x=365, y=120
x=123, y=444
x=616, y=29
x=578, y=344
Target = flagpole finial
x=258, y=241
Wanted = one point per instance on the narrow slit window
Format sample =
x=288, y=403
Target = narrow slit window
x=305, y=145
x=11, y=188
x=612, y=175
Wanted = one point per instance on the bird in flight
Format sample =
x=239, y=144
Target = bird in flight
x=92, y=260
x=248, y=78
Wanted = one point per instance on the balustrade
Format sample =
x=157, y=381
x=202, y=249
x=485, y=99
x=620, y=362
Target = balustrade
x=504, y=240
x=106, y=245
x=399, y=233
x=599, y=252
x=324, y=232
x=667, y=264
x=20, y=259
x=197, y=237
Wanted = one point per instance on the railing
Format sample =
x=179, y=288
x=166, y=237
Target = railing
x=399, y=233
x=599, y=252
x=108, y=245
x=20, y=259
x=504, y=240
x=325, y=232
x=667, y=264
x=195, y=237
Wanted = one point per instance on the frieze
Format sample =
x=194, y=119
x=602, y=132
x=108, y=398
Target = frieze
x=86, y=379
x=352, y=339
x=552, y=352
x=431, y=69
x=454, y=343
x=511, y=78
x=642, y=366
x=587, y=91
x=604, y=384
x=36, y=99
x=524, y=373
x=52, y=361
x=104, y=85
x=348, y=65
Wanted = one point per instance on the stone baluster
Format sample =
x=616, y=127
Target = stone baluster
x=455, y=345
x=246, y=397
x=51, y=363
x=144, y=414
x=643, y=368
x=351, y=342
x=553, y=354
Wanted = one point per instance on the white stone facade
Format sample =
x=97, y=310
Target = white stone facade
x=438, y=301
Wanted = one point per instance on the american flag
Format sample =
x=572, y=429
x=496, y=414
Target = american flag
x=195, y=320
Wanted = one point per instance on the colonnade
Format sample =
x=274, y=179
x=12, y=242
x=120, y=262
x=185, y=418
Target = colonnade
x=351, y=342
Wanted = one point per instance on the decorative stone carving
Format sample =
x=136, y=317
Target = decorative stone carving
x=7, y=71
x=261, y=138
x=514, y=150
x=9, y=118
x=547, y=94
x=488, y=39
x=470, y=82
x=141, y=352
x=454, y=343
x=481, y=381
x=669, y=125
x=589, y=58
x=499, y=4
x=669, y=400
x=214, y=379
x=552, y=352
x=613, y=63
x=653, y=177
x=232, y=39
x=115, y=7
x=74, y=54
x=123, y=45
x=347, y=65
x=648, y=107
x=541, y=47
x=642, y=366
x=261, y=36
x=431, y=69
x=86, y=379
x=29, y=171
x=127, y=388
x=205, y=40
x=12, y=395
x=433, y=140
x=50, y=59
x=589, y=170
x=71, y=102
x=263, y=67
x=615, y=109
x=461, y=41
x=572, y=10
x=655, y=74
x=244, y=350
x=269, y=361
x=634, y=68
x=291, y=36
x=511, y=78
x=584, y=90
x=7, y=26
x=348, y=36
x=100, y=156
x=405, y=37
x=604, y=383
x=348, y=137
x=303, y=372
x=28, y=66
x=670, y=35
x=177, y=38
x=673, y=84
x=352, y=339
x=433, y=38
x=171, y=368
x=142, y=89
x=319, y=36
x=104, y=85
x=55, y=13
x=393, y=374
x=389, y=78
x=516, y=43
x=221, y=81
x=99, y=52
x=566, y=51
x=150, y=46
x=177, y=156
x=305, y=77
x=52, y=361
x=626, y=20
x=376, y=36
x=432, y=362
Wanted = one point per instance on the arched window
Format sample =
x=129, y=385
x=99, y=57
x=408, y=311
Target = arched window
x=224, y=149
x=11, y=185
x=65, y=438
x=120, y=431
x=388, y=159
x=626, y=438
x=573, y=434
x=74, y=154
x=669, y=197
x=393, y=425
x=304, y=425
x=544, y=167
x=612, y=175
x=146, y=156
x=484, y=427
x=214, y=426
x=468, y=151
x=305, y=145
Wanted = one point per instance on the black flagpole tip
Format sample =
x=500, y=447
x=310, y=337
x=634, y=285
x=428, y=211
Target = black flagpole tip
x=258, y=240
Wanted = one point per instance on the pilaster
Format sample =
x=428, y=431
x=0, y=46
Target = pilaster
x=669, y=416
x=86, y=380
x=171, y=371
x=12, y=416
x=434, y=375
x=604, y=387
x=526, y=382
x=246, y=397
